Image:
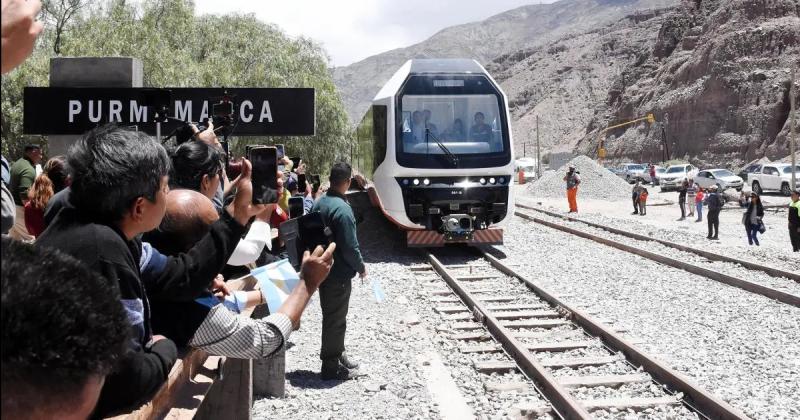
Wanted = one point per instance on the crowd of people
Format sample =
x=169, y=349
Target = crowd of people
x=692, y=199
x=117, y=254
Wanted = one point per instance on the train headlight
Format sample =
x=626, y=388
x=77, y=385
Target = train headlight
x=426, y=181
x=416, y=181
x=502, y=180
x=483, y=181
x=492, y=181
x=405, y=182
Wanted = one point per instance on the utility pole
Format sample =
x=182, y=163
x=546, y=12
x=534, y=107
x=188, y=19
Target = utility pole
x=792, y=146
x=538, y=152
x=524, y=151
x=664, y=132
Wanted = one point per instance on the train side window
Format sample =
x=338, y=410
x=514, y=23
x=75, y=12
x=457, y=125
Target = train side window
x=379, y=128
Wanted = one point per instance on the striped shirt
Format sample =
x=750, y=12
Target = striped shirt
x=225, y=333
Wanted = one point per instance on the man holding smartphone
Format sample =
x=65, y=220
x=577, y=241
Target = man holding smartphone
x=334, y=293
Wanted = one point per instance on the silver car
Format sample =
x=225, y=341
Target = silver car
x=631, y=172
x=722, y=178
x=675, y=175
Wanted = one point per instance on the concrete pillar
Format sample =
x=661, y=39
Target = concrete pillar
x=91, y=72
x=269, y=375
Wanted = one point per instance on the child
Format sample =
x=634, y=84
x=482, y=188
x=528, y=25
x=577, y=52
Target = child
x=698, y=202
x=643, y=201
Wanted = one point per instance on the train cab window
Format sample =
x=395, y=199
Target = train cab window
x=464, y=124
x=379, y=130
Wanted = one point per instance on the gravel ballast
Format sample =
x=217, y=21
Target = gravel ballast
x=596, y=182
x=742, y=346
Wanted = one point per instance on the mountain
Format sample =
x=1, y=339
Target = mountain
x=520, y=28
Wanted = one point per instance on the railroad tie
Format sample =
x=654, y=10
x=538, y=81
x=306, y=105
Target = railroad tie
x=478, y=277
x=464, y=316
x=579, y=362
x=495, y=298
x=525, y=314
x=535, y=323
x=450, y=309
x=561, y=346
x=494, y=366
x=629, y=403
x=521, y=307
x=466, y=326
x=605, y=380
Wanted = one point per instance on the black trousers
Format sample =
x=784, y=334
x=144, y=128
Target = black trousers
x=713, y=223
x=682, y=203
x=635, y=200
x=334, y=299
x=794, y=236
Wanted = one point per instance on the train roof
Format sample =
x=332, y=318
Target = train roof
x=445, y=65
x=428, y=66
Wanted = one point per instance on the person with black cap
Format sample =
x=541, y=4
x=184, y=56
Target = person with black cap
x=23, y=173
x=794, y=220
x=714, y=203
x=573, y=180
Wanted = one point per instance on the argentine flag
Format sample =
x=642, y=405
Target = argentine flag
x=276, y=280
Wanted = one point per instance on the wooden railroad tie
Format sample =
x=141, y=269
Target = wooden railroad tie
x=629, y=403
x=605, y=380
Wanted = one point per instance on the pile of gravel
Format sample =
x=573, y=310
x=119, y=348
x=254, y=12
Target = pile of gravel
x=596, y=182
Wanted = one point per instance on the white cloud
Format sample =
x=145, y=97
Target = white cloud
x=351, y=30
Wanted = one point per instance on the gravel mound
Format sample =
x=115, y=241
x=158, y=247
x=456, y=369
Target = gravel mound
x=596, y=182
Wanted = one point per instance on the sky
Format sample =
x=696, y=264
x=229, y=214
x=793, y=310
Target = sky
x=351, y=30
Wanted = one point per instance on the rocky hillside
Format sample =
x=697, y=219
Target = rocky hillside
x=517, y=29
x=717, y=73
x=566, y=83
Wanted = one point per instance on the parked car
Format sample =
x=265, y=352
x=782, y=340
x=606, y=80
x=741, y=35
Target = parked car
x=660, y=171
x=528, y=168
x=722, y=178
x=773, y=177
x=631, y=172
x=675, y=175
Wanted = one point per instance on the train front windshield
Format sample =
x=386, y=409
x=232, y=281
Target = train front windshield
x=453, y=123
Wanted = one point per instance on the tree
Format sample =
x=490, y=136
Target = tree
x=180, y=49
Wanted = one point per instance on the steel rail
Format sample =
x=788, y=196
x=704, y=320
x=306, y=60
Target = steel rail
x=563, y=403
x=769, y=292
x=775, y=272
x=699, y=399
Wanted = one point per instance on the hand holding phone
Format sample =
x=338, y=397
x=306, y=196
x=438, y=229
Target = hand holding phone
x=265, y=175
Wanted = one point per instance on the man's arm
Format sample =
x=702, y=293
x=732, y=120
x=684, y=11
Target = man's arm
x=348, y=241
x=137, y=378
x=227, y=334
x=26, y=179
x=9, y=211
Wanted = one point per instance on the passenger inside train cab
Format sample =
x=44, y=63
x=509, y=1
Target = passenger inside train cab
x=430, y=125
x=480, y=131
x=455, y=132
x=417, y=128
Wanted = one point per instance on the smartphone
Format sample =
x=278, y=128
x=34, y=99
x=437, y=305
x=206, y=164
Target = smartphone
x=281, y=154
x=301, y=183
x=265, y=174
x=302, y=234
x=295, y=163
x=315, y=180
x=222, y=109
x=295, y=207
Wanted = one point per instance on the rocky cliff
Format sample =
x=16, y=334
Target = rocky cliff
x=716, y=74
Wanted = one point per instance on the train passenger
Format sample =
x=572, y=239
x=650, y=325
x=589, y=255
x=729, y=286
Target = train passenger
x=119, y=187
x=480, y=131
x=455, y=132
x=430, y=125
x=417, y=128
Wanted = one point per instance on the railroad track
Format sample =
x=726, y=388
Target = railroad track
x=770, y=292
x=510, y=323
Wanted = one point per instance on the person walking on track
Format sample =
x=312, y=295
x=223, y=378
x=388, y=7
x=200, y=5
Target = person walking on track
x=573, y=180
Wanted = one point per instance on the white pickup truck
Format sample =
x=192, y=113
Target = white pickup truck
x=772, y=177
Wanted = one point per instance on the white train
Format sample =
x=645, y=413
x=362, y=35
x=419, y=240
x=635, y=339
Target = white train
x=437, y=145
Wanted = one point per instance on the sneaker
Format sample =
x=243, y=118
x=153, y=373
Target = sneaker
x=344, y=361
x=681, y=219
x=714, y=238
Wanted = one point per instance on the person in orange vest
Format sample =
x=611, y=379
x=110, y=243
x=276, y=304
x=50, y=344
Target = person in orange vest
x=573, y=180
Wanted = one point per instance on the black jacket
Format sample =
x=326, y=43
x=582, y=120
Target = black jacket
x=758, y=208
x=794, y=216
x=184, y=277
